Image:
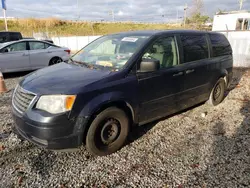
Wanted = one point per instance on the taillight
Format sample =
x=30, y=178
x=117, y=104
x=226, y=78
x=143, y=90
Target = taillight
x=67, y=51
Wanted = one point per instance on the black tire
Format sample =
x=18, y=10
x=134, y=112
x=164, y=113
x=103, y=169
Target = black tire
x=218, y=92
x=55, y=60
x=108, y=132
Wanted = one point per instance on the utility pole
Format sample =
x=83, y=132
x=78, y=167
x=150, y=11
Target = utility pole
x=5, y=20
x=4, y=14
x=78, y=14
x=112, y=14
x=185, y=15
x=241, y=3
x=177, y=16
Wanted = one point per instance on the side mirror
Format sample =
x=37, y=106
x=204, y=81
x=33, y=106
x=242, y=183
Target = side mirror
x=6, y=50
x=149, y=65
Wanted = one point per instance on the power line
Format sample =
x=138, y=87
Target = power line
x=23, y=10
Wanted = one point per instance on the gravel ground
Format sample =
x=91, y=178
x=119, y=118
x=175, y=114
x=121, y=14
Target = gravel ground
x=203, y=147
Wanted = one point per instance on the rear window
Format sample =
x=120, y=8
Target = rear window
x=220, y=45
x=195, y=47
x=14, y=36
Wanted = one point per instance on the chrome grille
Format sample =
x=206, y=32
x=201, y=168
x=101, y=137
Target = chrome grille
x=22, y=99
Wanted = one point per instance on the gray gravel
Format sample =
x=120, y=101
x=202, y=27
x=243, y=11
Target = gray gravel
x=203, y=147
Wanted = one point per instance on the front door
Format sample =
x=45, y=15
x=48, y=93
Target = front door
x=159, y=91
x=15, y=57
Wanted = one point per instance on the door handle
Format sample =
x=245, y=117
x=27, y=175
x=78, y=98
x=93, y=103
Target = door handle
x=49, y=52
x=25, y=54
x=178, y=74
x=189, y=71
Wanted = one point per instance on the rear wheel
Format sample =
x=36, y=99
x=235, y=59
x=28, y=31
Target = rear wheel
x=218, y=92
x=108, y=132
x=55, y=60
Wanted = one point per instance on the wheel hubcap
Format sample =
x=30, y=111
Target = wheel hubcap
x=217, y=92
x=110, y=131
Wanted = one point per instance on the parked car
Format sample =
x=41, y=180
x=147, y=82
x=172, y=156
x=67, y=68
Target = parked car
x=29, y=54
x=45, y=40
x=119, y=81
x=8, y=36
x=48, y=40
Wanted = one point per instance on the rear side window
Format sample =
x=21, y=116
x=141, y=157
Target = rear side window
x=220, y=45
x=195, y=47
x=3, y=38
x=38, y=45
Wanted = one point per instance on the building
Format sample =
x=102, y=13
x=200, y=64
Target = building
x=235, y=26
x=232, y=21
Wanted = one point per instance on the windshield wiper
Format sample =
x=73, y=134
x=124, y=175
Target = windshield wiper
x=84, y=64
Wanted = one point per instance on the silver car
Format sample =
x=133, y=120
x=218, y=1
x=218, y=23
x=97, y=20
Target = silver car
x=29, y=54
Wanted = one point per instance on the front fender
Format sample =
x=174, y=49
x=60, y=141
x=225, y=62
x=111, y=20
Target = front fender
x=106, y=98
x=86, y=115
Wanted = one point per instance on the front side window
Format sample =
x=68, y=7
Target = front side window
x=21, y=46
x=194, y=47
x=164, y=50
x=111, y=52
x=37, y=45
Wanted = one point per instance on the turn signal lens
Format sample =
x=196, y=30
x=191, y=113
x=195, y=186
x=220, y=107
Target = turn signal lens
x=70, y=101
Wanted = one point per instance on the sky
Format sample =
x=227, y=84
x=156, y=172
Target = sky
x=124, y=10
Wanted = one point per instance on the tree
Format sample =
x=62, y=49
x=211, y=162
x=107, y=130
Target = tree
x=197, y=7
x=197, y=18
x=220, y=11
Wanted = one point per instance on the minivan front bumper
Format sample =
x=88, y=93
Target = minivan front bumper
x=57, y=133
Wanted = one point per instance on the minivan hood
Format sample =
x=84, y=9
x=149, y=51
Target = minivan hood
x=62, y=78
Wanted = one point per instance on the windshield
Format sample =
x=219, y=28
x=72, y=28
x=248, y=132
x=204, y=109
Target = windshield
x=111, y=52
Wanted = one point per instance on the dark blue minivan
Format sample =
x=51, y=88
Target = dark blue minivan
x=118, y=81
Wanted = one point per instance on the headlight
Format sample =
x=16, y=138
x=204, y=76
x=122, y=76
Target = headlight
x=56, y=104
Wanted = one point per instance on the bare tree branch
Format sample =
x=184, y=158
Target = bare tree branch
x=197, y=7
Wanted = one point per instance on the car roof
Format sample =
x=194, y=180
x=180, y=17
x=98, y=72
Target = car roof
x=22, y=40
x=159, y=32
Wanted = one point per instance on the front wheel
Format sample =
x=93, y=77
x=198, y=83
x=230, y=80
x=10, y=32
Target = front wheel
x=218, y=92
x=108, y=132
